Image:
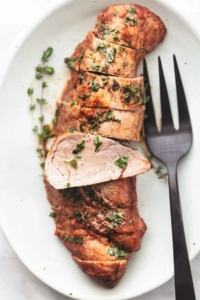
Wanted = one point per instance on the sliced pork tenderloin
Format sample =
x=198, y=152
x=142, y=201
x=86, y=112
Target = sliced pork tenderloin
x=120, y=193
x=132, y=25
x=107, y=58
x=99, y=160
x=117, y=124
x=110, y=92
x=107, y=273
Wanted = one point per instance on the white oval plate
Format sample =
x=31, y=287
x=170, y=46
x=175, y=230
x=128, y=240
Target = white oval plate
x=24, y=209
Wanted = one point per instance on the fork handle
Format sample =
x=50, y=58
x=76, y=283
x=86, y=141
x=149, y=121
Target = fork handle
x=184, y=287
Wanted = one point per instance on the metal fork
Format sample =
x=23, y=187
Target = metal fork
x=169, y=146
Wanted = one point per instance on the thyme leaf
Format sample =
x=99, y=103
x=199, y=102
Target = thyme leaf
x=47, y=53
x=122, y=162
x=97, y=143
x=79, y=147
x=114, y=251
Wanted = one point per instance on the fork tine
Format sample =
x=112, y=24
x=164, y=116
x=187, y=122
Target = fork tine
x=149, y=123
x=165, y=106
x=184, y=117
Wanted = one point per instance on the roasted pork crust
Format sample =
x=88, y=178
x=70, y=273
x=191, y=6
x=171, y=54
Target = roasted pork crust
x=107, y=273
x=111, y=92
x=125, y=125
x=66, y=202
x=127, y=32
x=139, y=29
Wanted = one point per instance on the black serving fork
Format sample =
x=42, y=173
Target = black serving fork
x=170, y=145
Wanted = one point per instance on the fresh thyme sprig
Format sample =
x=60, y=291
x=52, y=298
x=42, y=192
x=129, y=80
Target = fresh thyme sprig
x=43, y=131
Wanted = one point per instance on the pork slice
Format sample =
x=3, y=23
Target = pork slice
x=82, y=242
x=113, y=123
x=117, y=124
x=108, y=58
x=134, y=26
x=110, y=92
x=118, y=193
x=107, y=273
x=102, y=220
x=64, y=168
x=129, y=241
x=121, y=192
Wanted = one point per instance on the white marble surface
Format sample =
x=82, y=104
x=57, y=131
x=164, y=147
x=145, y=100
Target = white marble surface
x=16, y=281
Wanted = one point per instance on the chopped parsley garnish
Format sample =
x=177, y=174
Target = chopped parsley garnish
x=95, y=86
x=105, y=68
x=68, y=184
x=95, y=213
x=115, y=37
x=84, y=96
x=100, y=46
x=122, y=162
x=74, y=239
x=116, y=218
x=94, y=197
x=73, y=195
x=81, y=78
x=101, y=118
x=104, y=30
x=70, y=61
x=110, y=117
x=132, y=10
x=105, y=80
x=109, y=227
x=74, y=102
x=52, y=214
x=77, y=214
x=130, y=92
x=81, y=57
x=115, y=13
x=97, y=143
x=115, y=85
x=132, y=21
x=79, y=147
x=109, y=54
x=117, y=252
x=71, y=130
x=73, y=162
x=96, y=68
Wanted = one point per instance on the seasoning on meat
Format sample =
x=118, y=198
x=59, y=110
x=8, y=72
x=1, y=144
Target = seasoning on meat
x=90, y=179
x=134, y=26
x=111, y=92
x=107, y=58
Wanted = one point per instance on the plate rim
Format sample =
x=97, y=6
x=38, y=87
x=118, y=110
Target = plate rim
x=12, y=52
